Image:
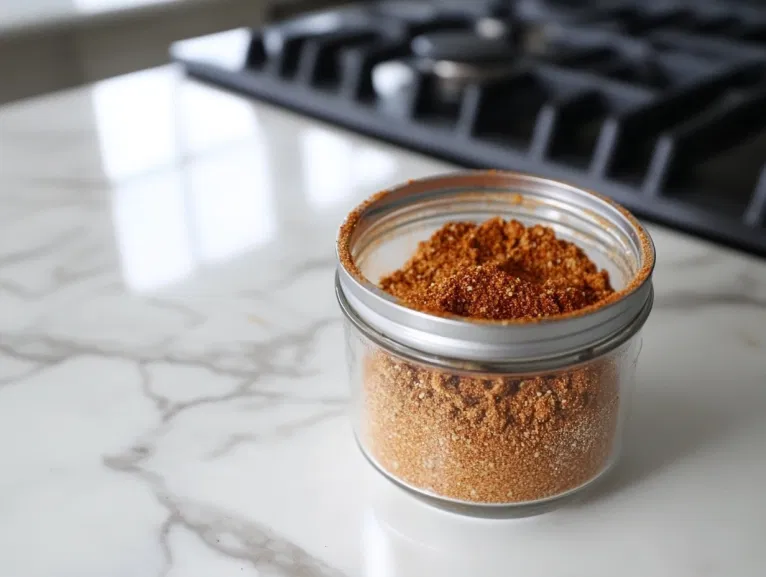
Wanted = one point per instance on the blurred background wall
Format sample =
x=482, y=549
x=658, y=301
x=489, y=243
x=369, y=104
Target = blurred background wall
x=48, y=45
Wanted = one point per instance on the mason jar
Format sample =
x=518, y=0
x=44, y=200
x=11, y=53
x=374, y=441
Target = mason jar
x=491, y=418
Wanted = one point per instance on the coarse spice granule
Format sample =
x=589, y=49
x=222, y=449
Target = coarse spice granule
x=493, y=438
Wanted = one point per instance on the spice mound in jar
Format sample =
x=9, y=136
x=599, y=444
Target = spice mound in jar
x=493, y=438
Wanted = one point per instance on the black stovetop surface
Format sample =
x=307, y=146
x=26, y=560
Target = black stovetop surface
x=661, y=105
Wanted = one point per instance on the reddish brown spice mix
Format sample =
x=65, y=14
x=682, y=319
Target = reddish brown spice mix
x=498, y=270
x=493, y=438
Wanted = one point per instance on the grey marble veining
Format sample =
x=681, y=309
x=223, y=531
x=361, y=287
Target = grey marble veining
x=172, y=378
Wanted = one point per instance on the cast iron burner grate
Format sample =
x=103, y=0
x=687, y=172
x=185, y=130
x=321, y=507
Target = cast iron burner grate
x=661, y=106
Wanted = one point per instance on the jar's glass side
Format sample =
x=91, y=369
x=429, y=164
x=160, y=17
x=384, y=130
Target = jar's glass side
x=489, y=438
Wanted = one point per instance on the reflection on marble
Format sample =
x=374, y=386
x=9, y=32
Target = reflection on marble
x=335, y=169
x=172, y=380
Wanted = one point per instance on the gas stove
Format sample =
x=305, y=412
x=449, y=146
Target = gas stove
x=659, y=105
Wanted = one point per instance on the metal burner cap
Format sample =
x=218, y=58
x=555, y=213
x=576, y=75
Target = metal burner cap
x=461, y=46
x=408, y=10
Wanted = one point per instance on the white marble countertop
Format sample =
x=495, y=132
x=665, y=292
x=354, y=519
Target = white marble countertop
x=172, y=378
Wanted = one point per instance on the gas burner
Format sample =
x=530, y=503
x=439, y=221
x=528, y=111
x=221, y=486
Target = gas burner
x=456, y=59
x=658, y=105
x=490, y=49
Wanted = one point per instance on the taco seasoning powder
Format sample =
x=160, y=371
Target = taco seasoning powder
x=493, y=439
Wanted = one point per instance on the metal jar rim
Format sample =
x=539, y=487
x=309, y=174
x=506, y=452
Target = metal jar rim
x=549, y=342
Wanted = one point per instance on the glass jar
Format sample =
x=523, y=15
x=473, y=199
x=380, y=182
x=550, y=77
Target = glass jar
x=491, y=418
